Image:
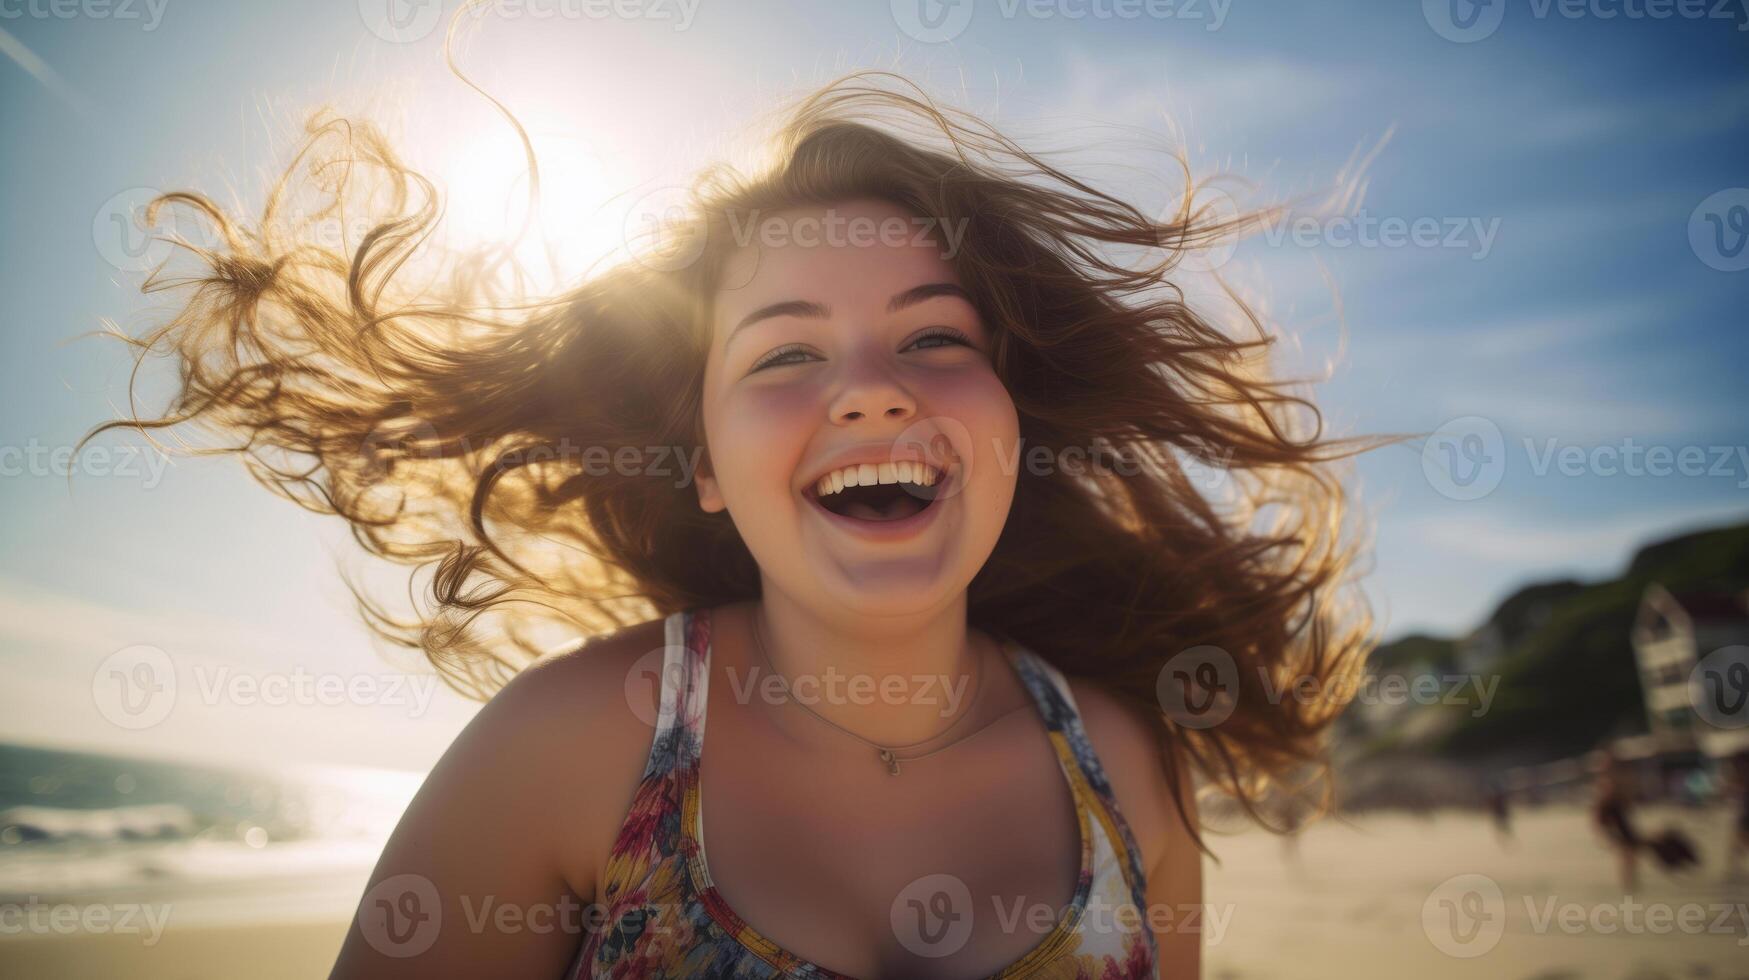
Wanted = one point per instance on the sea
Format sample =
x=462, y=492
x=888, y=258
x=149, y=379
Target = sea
x=219, y=842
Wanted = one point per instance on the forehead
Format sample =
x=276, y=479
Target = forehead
x=851, y=255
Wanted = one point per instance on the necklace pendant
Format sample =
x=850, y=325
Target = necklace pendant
x=891, y=760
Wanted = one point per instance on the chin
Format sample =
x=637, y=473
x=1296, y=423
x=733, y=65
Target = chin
x=889, y=589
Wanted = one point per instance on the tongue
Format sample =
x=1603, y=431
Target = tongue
x=900, y=507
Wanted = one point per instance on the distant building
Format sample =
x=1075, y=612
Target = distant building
x=1671, y=634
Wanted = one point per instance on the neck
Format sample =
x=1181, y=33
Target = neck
x=893, y=680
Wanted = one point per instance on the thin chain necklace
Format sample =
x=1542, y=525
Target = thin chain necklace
x=886, y=752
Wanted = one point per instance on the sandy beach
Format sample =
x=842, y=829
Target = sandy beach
x=1375, y=897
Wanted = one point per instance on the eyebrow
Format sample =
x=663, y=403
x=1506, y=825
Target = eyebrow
x=819, y=311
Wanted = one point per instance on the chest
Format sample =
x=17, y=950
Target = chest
x=959, y=866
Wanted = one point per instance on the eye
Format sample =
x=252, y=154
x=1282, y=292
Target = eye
x=940, y=337
x=787, y=354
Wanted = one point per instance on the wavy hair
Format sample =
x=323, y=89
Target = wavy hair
x=462, y=426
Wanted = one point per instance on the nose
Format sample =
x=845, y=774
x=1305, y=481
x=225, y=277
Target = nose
x=871, y=393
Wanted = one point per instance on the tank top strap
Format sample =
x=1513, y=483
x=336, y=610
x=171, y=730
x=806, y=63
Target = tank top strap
x=1057, y=704
x=680, y=714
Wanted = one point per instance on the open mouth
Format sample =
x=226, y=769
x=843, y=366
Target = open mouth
x=883, y=492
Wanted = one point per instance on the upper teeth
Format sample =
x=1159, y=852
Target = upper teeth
x=869, y=474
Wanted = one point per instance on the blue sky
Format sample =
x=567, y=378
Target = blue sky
x=1566, y=307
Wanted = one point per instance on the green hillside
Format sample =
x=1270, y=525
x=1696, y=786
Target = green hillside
x=1567, y=678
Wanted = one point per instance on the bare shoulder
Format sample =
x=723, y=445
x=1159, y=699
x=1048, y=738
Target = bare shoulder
x=1125, y=738
x=1127, y=742
x=519, y=813
x=590, y=713
x=593, y=679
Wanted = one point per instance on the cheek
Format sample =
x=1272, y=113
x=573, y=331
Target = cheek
x=758, y=437
x=981, y=403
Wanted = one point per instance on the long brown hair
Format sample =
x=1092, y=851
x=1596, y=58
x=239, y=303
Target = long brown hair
x=513, y=445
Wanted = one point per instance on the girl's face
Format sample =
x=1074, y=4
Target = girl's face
x=855, y=427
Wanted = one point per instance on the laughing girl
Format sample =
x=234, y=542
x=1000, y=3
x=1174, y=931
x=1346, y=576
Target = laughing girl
x=881, y=461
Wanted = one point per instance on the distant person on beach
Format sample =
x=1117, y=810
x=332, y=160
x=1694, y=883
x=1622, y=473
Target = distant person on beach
x=1613, y=814
x=1499, y=807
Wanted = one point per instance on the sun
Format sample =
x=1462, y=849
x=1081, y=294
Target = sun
x=482, y=174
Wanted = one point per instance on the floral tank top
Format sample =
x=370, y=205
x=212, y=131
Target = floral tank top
x=661, y=916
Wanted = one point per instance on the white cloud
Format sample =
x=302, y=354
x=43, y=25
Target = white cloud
x=1542, y=546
